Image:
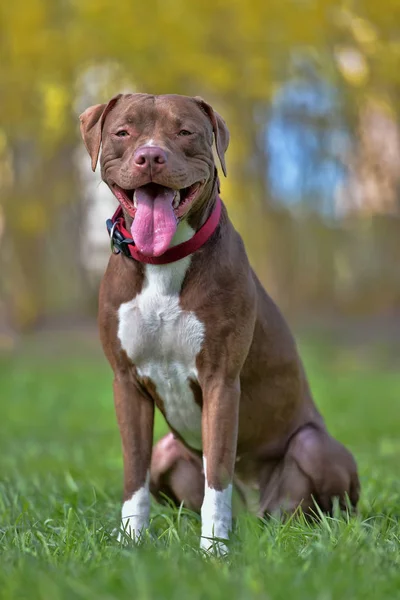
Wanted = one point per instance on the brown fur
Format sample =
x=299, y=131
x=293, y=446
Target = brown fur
x=259, y=422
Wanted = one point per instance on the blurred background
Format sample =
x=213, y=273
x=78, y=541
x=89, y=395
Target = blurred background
x=310, y=91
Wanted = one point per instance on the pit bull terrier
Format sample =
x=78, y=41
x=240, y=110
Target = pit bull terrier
x=187, y=327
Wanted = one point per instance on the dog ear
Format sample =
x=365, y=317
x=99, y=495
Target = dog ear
x=221, y=131
x=92, y=121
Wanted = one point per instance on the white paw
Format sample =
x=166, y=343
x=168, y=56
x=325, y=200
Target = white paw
x=214, y=547
x=131, y=528
x=136, y=514
x=216, y=519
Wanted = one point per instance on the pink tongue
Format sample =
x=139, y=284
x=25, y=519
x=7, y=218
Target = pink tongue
x=155, y=223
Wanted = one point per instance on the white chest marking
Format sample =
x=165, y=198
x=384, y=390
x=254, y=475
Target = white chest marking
x=162, y=340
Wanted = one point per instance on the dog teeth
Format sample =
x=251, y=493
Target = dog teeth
x=134, y=200
x=176, y=200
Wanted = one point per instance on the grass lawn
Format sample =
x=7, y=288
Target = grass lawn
x=61, y=479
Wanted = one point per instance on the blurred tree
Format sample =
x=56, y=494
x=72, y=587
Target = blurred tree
x=60, y=55
x=37, y=79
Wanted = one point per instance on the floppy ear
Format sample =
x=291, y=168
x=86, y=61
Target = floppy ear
x=221, y=132
x=92, y=121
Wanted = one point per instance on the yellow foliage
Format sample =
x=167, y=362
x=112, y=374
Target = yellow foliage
x=33, y=218
x=57, y=57
x=363, y=31
x=352, y=65
x=3, y=142
x=55, y=106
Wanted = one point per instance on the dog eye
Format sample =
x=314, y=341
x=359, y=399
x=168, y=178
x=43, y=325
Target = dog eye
x=184, y=132
x=122, y=133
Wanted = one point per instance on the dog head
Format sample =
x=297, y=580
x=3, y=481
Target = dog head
x=156, y=158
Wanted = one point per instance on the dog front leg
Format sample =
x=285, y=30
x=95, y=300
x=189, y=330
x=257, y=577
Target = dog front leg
x=135, y=416
x=219, y=431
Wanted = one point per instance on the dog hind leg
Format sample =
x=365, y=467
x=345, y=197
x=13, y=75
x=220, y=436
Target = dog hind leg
x=177, y=474
x=315, y=469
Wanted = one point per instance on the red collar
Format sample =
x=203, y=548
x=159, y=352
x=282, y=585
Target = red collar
x=121, y=240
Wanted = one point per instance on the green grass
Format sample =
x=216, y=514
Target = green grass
x=60, y=466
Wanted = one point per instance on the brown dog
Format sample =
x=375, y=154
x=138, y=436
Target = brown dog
x=196, y=334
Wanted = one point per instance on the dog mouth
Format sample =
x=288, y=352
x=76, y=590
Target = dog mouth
x=156, y=211
x=181, y=199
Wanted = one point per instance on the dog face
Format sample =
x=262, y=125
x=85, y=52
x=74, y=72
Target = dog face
x=156, y=158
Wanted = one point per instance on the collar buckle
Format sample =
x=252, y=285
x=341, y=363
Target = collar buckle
x=118, y=243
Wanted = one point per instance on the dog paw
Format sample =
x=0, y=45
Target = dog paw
x=131, y=532
x=214, y=547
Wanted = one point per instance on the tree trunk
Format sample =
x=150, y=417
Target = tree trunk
x=41, y=266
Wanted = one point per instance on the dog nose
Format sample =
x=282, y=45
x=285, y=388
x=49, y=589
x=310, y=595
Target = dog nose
x=149, y=156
